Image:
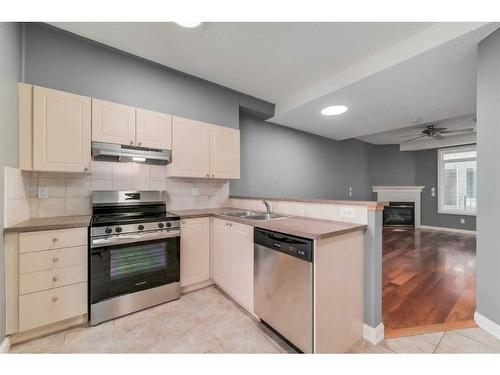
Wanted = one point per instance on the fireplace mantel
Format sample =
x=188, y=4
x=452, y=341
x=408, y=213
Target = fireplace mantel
x=401, y=194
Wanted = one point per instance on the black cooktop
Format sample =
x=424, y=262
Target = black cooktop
x=129, y=214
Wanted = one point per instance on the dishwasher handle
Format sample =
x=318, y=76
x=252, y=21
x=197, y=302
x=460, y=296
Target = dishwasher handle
x=298, y=247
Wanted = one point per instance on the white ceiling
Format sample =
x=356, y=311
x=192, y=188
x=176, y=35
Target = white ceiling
x=387, y=73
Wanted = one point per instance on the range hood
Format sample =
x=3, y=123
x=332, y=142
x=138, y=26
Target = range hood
x=120, y=153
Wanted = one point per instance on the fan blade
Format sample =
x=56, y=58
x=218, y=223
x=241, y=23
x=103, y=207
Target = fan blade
x=453, y=131
x=438, y=137
x=410, y=135
x=413, y=139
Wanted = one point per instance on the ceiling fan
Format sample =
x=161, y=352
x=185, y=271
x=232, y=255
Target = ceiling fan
x=436, y=133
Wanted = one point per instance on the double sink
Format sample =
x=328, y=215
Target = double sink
x=254, y=215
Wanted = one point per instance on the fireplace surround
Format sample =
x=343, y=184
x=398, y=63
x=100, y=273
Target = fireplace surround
x=405, y=194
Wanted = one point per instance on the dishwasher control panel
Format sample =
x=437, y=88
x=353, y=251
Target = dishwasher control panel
x=285, y=243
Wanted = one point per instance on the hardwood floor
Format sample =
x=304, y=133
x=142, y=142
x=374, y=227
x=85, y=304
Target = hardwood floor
x=428, y=280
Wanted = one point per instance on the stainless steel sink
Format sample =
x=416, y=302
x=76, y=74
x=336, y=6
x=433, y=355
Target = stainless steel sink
x=254, y=215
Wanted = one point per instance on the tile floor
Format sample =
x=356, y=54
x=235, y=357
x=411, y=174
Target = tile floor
x=207, y=321
x=470, y=340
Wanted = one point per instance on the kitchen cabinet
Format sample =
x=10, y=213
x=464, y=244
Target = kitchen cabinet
x=190, y=149
x=47, y=281
x=153, y=129
x=113, y=123
x=203, y=150
x=195, y=251
x=54, y=130
x=224, y=152
x=232, y=257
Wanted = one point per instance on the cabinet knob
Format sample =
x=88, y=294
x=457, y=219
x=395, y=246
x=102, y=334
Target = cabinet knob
x=54, y=279
x=85, y=169
x=208, y=175
x=212, y=176
x=131, y=142
x=140, y=143
x=55, y=239
x=55, y=298
x=55, y=259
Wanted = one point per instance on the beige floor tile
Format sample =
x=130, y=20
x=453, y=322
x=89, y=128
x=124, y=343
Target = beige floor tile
x=479, y=335
x=92, y=339
x=229, y=325
x=364, y=347
x=197, y=340
x=455, y=343
x=47, y=344
x=137, y=338
x=414, y=344
x=250, y=340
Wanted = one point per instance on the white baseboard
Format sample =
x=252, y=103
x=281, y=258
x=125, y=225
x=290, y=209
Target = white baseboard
x=373, y=335
x=5, y=346
x=443, y=229
x=488, y=325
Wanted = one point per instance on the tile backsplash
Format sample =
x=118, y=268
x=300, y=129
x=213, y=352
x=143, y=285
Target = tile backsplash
x=69, y=194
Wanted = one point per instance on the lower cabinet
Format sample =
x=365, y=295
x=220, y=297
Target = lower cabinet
x=195, y=251
x=232, y=260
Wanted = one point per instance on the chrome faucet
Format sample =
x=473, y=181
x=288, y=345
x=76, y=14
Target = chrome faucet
x=268, y=206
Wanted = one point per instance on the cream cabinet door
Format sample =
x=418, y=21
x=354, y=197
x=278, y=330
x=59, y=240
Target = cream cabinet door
x=154, y=130
x=240, y=240
x=61, y=131
x=219, y=261
x=190, y=148
x=224, y=152
x=195, y=250
x=113, y=123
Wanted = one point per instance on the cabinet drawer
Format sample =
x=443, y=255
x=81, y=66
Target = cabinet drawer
x=52, y=239
x=43, y=280
x=52, y=259
x=50, y=306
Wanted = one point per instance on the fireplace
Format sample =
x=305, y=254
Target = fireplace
x=399, y=214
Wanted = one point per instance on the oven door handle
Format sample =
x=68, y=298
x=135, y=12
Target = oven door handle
x=130, y=238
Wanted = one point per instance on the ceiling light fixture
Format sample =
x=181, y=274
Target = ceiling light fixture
x=189, y=24
x=334, y=110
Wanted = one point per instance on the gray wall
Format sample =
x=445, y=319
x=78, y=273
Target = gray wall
x=389, y=166
x=281, y=162
x=488, y=141
x=10, y=75
x=63, y=61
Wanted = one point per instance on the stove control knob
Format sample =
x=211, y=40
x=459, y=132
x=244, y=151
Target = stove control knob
x=108, y=230
x=160, y=225
x=168, y=224
x=118, y=229
x=141, y=227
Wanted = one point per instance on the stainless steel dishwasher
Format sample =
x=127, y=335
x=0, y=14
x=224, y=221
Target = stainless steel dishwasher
x=283, y=277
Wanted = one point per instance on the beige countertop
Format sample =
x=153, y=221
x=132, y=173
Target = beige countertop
x=50, y=223
x=371, y=205
x=315, y=229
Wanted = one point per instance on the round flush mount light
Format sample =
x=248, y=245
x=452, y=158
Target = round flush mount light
x=416, y=120
x=334, y=110
x=189, y=24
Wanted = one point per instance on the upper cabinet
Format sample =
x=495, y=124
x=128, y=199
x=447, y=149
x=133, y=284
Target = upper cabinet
x=54, y=130
x=224, y=152
x=204, y=150
x=124, y=125
x=153, y=129
x=190, y=149
x=113, y=123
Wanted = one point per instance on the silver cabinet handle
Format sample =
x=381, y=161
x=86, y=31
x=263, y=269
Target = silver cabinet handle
x=55, y=298
x=54, y=279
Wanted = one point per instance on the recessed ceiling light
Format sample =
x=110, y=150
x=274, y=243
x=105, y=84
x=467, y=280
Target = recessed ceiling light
x=334, y=110
x=189, y=24
x=416, y=119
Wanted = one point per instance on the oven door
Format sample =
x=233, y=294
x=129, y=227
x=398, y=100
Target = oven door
x=122, y=264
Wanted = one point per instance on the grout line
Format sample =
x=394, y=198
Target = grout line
x=439, y=343
x=470, y=338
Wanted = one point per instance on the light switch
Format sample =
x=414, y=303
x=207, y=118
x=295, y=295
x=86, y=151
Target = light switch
x=462, y=221
x=43, y=192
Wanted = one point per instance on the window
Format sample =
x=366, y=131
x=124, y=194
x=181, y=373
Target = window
x=457, y=180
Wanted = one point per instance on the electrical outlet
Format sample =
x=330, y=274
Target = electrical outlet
x=43, y=192
x=433, y=192
x=347, y=212
x=462, y=221
x=350, y=191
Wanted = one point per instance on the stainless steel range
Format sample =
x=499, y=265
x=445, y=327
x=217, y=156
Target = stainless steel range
x=134, y=251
